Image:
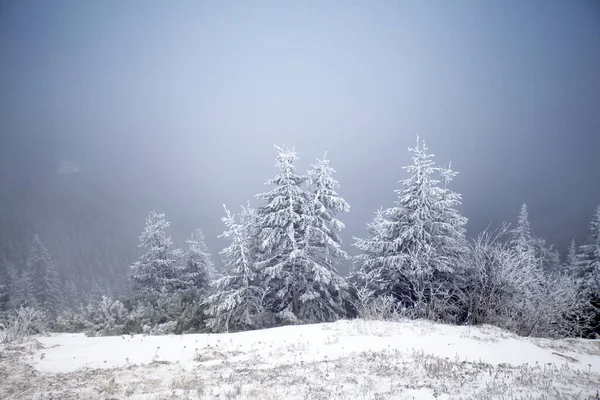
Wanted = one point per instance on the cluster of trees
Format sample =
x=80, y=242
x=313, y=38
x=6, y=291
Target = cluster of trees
x=36, y=284
x=89, y=231
x=282, y=259
x=280, y=265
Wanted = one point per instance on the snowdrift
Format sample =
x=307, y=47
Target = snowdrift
x=342, y=360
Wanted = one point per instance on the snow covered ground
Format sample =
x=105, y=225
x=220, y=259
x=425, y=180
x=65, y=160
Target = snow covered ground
x=343, y=360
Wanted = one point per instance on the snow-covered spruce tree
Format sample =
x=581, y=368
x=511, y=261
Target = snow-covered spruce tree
x=194, y=276
x=20, y=292
x=237, y=301
x=570, y=264
x=326, y=291
x=588, y=260
x=73, y=298
x=532, y=249
x=522, y=238
x=156, y=271
x=42, y=277
x=282, y=221
x=249, y=221
x=371, y=278
x=5, y=280
x=547, y=256
x=524, y=245
x=453, y=242
x=415, y=254
x=588, y=271
x=534, y=254
x=199, y=268
x=325, y=204
x=4, y=292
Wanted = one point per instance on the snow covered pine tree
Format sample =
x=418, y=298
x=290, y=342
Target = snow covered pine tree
x=326, y=290
x=588, y=271
x=41, y=276
x=198, y=270
x=415, y=247
x=588, y=260
x=237, y=300
x=281, y=222
x=298, y=244
x=156, y=271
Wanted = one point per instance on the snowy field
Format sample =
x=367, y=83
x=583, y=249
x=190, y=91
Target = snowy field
x=343, y=360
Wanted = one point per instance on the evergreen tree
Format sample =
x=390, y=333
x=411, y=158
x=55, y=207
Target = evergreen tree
x=533, y=251
x=42, y=277
x=326, y=290
x=238, y=298
x=282, y=221
x=4, y=287
x=414, y=248
x=571, y=262
x=522, y=239
x=20, y=292
x=371, y=263
x=72, y=295
x=452, y=244
x=251, y=229
x=156, y=271
x=548, y=257
x=370, y=279
x=523, y=243
x=589, y=257
x=325, y=204
x=199, y=268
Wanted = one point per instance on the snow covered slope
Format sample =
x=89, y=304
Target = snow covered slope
x=342, y=360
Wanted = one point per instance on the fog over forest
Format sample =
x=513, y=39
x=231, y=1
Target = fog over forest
x=109, y=110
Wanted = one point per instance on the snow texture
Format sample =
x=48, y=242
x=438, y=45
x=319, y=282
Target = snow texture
x=347, y=359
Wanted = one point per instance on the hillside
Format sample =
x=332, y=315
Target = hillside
x=343, y=360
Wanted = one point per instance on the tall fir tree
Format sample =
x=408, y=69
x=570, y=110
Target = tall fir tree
x=372, y=274
x=570, y=264
x=414, y=247
x=198, y=270
x=282, y=222
x=522, y=238
x=588, y=260
x=325, y=205
x=326, y=291
x=42, y=277
x=156, y=271
x=523, y=243
x=20, y=292
x=452, y=239
x=548, y=257
x=533, y=251
x=237, y=300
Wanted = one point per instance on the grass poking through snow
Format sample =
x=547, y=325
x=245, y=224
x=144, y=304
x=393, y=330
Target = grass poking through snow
x=343, y=360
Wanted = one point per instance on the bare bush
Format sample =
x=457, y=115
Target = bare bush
x=506, y=290
x=374, y=308
x=19, y=325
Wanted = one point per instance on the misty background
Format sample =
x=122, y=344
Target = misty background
x=111, y=109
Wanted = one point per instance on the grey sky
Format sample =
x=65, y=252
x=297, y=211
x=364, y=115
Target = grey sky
x=176, y=105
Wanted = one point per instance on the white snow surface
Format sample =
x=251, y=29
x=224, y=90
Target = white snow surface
x=341, y=360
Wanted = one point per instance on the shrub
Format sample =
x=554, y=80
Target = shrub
x=107, y=318
x=23, y=322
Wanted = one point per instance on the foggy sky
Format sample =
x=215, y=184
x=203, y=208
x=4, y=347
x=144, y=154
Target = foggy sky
x=176, y=106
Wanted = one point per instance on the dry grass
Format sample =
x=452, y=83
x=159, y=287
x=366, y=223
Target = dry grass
x=218, y=372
